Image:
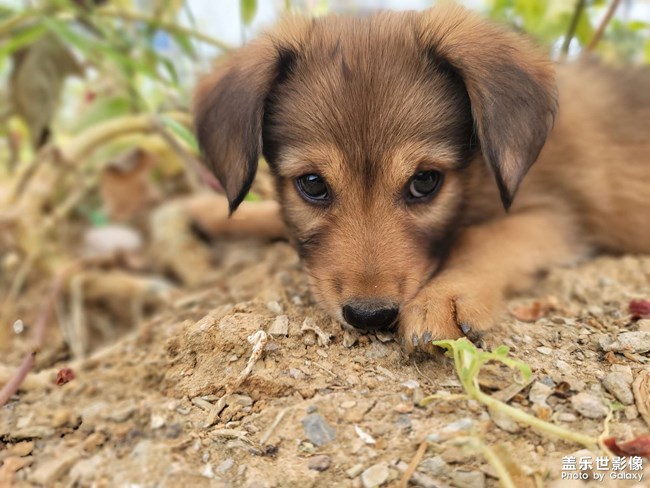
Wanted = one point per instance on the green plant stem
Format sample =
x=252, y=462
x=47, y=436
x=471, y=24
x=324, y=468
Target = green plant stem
x=22, y=18
x=532, y=421
x=495, y=461
x=580, y=6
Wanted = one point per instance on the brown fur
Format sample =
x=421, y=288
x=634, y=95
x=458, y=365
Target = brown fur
x=367, y=103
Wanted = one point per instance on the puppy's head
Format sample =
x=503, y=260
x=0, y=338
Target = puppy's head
x=370, y=126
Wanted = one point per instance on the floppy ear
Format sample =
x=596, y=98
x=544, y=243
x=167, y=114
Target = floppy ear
x=229, y=108
x=511, y=87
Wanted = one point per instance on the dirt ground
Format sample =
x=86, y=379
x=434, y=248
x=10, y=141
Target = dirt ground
x=328, y=409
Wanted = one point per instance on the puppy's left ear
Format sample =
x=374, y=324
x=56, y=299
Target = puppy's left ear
x=511, y=87
x=229, y=106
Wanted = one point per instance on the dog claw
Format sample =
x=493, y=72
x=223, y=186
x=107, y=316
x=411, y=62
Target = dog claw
x=474, y=337
x=426, y=338
x=415, y=340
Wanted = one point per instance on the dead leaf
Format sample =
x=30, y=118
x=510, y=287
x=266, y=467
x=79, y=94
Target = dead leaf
x=640, y=309
x=639, y=446
x=532, y=312
x=126, y=187
x=37, y=78
x=641, y=389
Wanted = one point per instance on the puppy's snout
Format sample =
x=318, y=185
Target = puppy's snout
x=370, y=315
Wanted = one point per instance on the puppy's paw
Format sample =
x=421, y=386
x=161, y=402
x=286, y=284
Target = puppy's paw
x=449, y=309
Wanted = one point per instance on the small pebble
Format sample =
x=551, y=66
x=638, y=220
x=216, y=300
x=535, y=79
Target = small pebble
x=434, y=466
x=589, y=406
x=635, y=342
x=545, y=350
x=280, y=326
x=539, y=392
x=225, y=465
x=619, y=385
x=354, y=471
x=319, y=463
x=375, y=475
x=468, y=479
x=566, y=417
x=317, y=430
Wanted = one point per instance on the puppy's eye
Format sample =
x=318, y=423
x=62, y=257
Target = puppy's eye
x=313, y=188
x=424, y=184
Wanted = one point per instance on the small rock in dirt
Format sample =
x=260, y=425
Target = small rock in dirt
x=468, y=479
x=280, y=326
x=448, y=431
x=539, y=392
x=295, y=373
x=385, y=336
x=354, y=471
x=545, y=350
x=434, y=466
x=241, y=400
x=364, y=436
x=348, y=404
x=631, y=412
x=349, y=339
x=225, y=465
x=589, y=406
x=411, y=384
x=619, y=385
x=21, y=449
x=53, y=469
x=275, y=307
x=157, y=421
x=375, y=475
x=566, y=417
x=93, y=441
x=635, y=342
x=319, y=463
x=503, y=421
x=317, y=430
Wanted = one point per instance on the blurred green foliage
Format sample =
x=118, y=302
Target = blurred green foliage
x=114, y=52
x=550, y=22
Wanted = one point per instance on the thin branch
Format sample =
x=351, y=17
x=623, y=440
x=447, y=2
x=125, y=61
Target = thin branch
x=577, y=13
x=26, y=366
x=603, y=25
x=133, y=16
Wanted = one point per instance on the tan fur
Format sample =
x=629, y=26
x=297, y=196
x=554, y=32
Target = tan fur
x=367, y=103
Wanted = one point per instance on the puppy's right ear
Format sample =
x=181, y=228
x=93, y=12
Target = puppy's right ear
x=229, y=107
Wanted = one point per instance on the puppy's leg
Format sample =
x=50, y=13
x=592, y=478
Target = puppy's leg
x=209, y=212
x=489, y=261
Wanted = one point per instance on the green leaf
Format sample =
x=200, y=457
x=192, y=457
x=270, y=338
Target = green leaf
x=248, y=9
x=182, y=132
x=101, y=109
x=22, y=38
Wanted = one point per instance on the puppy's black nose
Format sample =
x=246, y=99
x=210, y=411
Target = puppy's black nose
x=370, y=315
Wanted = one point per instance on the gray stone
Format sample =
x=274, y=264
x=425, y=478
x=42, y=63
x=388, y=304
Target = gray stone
x=280, y=326
x=539, y=392
x=319, y=463
x=434, y=466
x=226, y=465
x=317, y=430
x=635, y=342
x=619, y=385
x=375, y=475
x=589, y=406
x=468, y=479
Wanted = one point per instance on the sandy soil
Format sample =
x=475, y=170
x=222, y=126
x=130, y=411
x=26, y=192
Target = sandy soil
x=334, y=409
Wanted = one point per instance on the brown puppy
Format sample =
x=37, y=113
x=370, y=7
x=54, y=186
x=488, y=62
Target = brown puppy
x=398, y=143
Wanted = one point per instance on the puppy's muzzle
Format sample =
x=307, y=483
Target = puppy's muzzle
x=370, y=315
